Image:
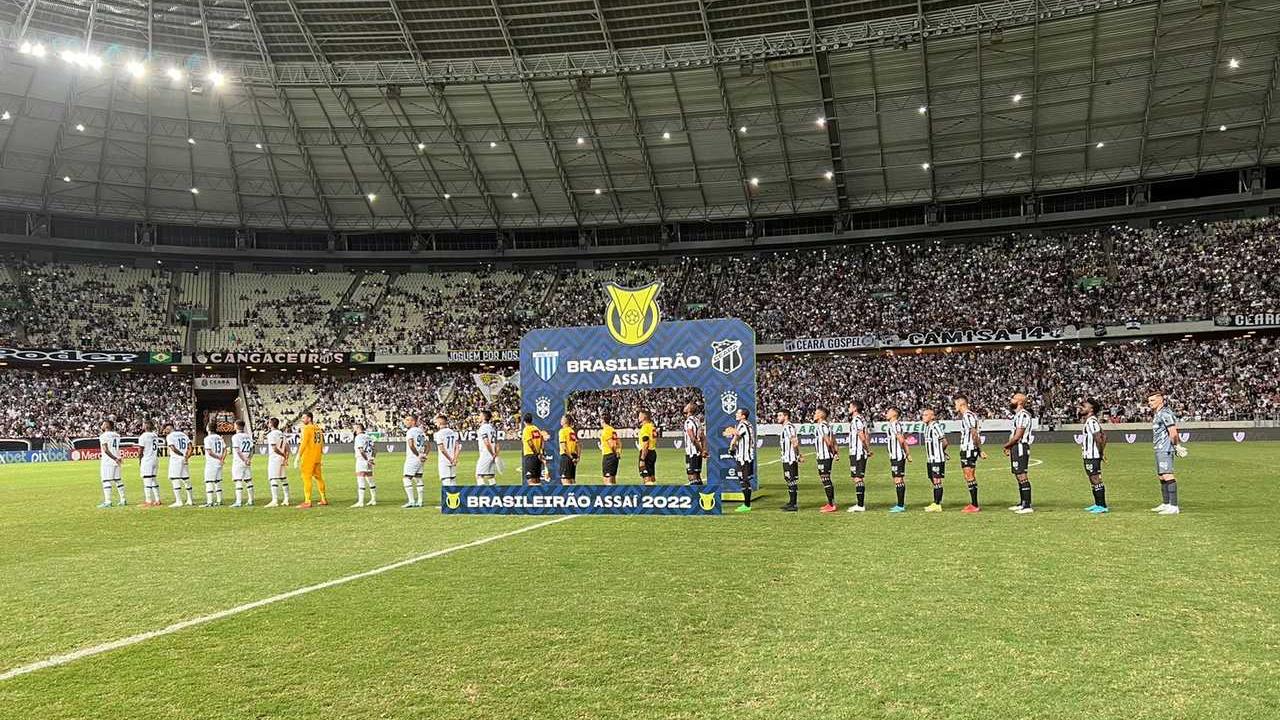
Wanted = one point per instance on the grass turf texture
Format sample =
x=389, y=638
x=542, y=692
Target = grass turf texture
x=1055, y=615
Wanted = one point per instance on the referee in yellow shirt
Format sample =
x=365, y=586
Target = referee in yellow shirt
x=648, y=443
x=610, y=450
x=569, y=451
x=531, y=439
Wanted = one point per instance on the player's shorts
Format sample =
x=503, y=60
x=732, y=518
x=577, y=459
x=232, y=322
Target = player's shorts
x=936, y=471
x=532, y=466
x=486, y=466
x=412, y=467
x=898, y=468
x=448, y=474
x=746, y=470
x=179, y=471
x=276, y=470
x=857, y=467
x=609, y=465
x=363, y=466
x=791, y=473
x=1092, y=466
x=110, y=472
x=568, y=468
x=824, y=466
x=648, y=465
x=241, y=472
x=148, y=468
x=1019, y=459
x=693, y=464
x=212, y=473
x=969, y=458
x=1164, y=463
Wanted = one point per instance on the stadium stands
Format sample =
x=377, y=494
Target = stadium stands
x=1224, y=379
x=103, y=307
x=73, y=403
x=1113, y=275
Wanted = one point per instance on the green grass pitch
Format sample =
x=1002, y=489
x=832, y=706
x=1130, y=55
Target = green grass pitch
x=1054, y=615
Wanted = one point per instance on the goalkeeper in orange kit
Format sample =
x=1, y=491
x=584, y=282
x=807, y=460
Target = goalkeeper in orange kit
x=310, y=455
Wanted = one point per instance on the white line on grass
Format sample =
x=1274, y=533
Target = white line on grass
x=92, y=650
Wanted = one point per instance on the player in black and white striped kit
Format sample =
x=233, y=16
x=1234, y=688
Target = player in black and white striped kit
x=789, y=444
x=743, y=449
x=695, y=444
x=970, y=450
x=825, y=450
x=935, y=455
x=1093, y=446
x=859, y=452
x=1019, y=451
x=899, y=456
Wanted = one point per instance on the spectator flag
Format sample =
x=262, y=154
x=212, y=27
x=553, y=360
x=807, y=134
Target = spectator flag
x=490, y=384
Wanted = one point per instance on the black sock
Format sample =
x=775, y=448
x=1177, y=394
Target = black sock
x=861, y=491
x=1024, y=492
x=1173, y=492
x=746, y=496
x=830, y=490
x=791, y=494
x=901, y=488
x=973, y=493
x=1100, y=495
x=937, y=494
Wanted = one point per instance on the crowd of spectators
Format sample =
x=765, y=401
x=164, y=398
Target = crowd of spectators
x=67, y=404
x=1224, y=379
x=1113, y=275
x=1204, y=380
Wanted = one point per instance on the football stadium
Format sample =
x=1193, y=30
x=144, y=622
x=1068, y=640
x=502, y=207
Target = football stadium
x=596, y=359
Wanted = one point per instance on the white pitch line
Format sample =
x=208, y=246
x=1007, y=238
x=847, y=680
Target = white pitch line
x=92, y=650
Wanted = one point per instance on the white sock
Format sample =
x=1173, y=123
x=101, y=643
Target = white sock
x=239, y=490
x=187, y=486
x=248, y=487
x=177, y=490
x=359, y=490
x=208, y=492
x=120, y=491
x=420, y=494
x=275, y=491
x=408, y=489
x=106, y=492
x=217, y=491
x=373, y=491
x=284, y=486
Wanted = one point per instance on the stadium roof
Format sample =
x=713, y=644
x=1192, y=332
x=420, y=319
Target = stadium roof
x=455, y=114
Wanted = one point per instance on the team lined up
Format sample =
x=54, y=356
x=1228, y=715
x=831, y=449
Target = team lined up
x=535, y=471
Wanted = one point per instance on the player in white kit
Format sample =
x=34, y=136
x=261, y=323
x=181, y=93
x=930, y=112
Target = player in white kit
x=365, y=460
x=180, y=448
x=449, y=445
x=242, y=464
x=415, y=454
x=215, y=455
x=148, y=464
x=277, y=459
x=109, y=464
x=487, y=443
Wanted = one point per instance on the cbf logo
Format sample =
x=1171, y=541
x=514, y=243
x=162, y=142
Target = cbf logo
x=542, y=406
x=545, y=363
x=632, y=314
x=729, y=402
x=726, y=355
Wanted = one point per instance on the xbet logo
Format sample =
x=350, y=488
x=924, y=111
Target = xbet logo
x=632, y=314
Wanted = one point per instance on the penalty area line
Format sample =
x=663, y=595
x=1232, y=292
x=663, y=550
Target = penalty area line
x=90, y=651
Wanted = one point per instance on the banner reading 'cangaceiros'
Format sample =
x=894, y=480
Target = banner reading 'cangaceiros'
x=263, y=357
x=579, y=500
